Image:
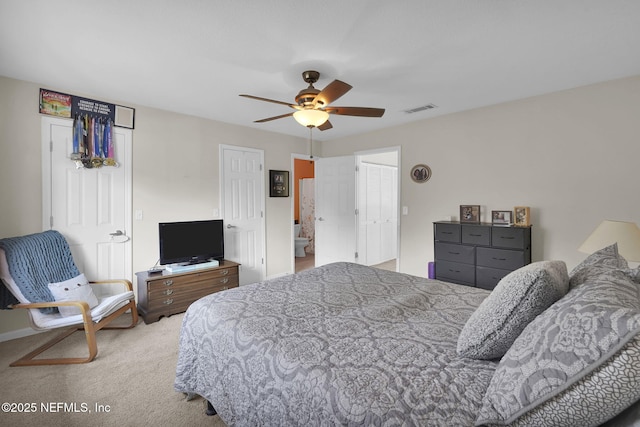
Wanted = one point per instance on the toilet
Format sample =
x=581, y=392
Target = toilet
x=300, y=242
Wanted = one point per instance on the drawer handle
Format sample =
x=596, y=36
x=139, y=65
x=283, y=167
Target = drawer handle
x=507, y=237
x=454, y=253
x=475, y=235
x=168, y=282
x=447, y=232
x=454, y=271
x=168, y=301
x=224, y=272
x=499, y=259
x=225, y=280
x=225, y=288
x=168, y=292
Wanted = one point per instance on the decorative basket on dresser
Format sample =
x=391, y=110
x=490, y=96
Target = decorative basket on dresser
x=479, y=254
x=170, y=293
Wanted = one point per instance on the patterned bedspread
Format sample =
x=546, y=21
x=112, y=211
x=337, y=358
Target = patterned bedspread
x=341, y=344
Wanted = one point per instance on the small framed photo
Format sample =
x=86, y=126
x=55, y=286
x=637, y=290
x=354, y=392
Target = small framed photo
x=522, y=216
x=278, y=183
x=420, y=173
x=501, y=217
x=470, y=213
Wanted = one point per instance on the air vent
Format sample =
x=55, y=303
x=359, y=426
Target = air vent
x=421, y=108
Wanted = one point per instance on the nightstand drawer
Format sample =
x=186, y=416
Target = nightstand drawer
x=509, y=237
x=455, y=253
x=455, y=272
x=476, y=235
x=447, y=233
x=500, y=258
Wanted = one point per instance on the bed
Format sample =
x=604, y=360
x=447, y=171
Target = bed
x=346, y=344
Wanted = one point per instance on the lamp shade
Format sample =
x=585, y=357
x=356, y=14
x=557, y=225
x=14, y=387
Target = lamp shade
x=311, y=117
x=626, y=234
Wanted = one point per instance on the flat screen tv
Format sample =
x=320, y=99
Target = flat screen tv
x=191, y=242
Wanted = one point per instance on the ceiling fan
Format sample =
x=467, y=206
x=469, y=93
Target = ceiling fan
x=312, y=105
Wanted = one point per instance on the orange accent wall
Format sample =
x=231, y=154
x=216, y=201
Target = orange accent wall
x=302, y=169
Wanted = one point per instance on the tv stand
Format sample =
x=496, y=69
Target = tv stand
x=173, y=292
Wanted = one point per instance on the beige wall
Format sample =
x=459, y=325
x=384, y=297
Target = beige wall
x=568, y=155
x=571, y=156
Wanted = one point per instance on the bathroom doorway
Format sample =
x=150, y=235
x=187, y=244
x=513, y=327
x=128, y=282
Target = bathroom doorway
x=303, y=201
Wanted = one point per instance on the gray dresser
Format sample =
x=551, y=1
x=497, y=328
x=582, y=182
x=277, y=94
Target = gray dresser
x=479, y=254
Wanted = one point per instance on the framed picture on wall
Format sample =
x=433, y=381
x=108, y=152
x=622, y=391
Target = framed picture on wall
x=470, y=213
x=420, y=173
x=278, y=183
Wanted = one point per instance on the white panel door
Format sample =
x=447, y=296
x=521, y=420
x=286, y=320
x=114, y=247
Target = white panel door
x=242, y=195
x=88, y=206
x=335, y=210
x=377, y=206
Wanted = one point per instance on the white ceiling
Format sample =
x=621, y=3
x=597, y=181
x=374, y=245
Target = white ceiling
x=196, y=56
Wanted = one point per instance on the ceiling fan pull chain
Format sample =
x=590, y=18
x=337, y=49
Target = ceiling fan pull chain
x=310, y=142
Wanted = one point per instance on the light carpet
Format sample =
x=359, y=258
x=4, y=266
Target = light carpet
x=130, y=383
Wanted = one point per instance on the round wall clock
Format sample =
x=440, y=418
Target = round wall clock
x=420, y=173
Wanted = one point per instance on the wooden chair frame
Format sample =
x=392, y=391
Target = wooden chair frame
x=88, y=325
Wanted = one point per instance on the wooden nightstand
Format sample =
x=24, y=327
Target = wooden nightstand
x=170, y=293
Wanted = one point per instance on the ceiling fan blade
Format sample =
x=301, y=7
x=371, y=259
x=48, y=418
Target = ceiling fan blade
x=270, y=100
x=333, y=91
x=325, y=126
x=273, y=118
x=356, y=111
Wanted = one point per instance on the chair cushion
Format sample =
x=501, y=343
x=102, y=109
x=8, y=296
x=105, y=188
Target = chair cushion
x=74, y=289
x=517, y=299
x=577, y=364
x=108, y=305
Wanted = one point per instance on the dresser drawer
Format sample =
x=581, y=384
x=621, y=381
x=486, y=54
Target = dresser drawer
x=456, y=253
x=447, y=233
x=182, y=300
x=179, y=287
x=510, y=237
x=177, y=281
x=500, y=258
x=455, y=272
x=476, y=235
x=488, y=278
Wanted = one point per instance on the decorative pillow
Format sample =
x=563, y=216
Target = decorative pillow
x=76, y=289
x=598, y=262
x=517, y=299
x=633, y=273
x=577, y=364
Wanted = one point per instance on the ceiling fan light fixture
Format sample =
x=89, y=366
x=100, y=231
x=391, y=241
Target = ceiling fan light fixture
x=311, y=117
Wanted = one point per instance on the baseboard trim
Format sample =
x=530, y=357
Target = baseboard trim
x=19, y=333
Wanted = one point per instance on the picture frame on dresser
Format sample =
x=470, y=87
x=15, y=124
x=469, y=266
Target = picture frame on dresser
x=502, y=218
x=522, y=216
x=470, y=214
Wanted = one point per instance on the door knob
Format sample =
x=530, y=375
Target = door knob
x=231, y=226
x=117, y=233
x=320, y=219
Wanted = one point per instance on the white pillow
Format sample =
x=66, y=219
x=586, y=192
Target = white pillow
x=76, y=289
